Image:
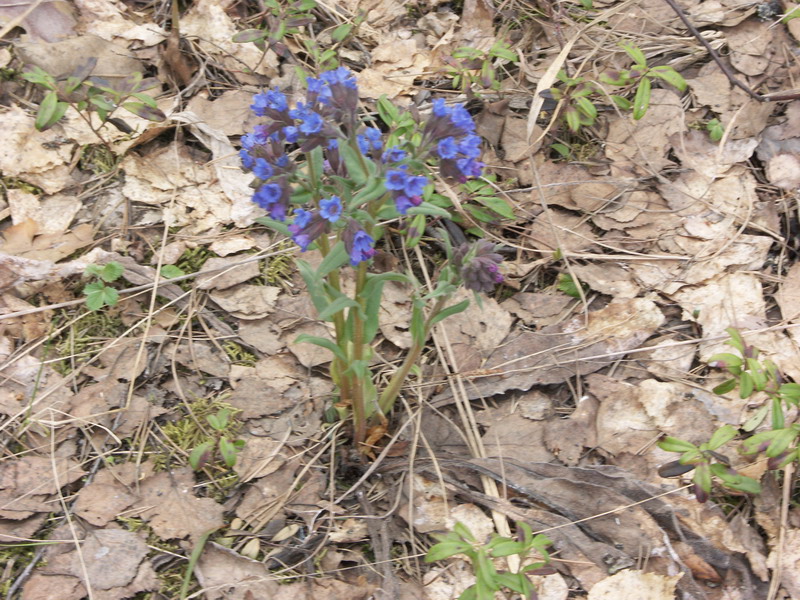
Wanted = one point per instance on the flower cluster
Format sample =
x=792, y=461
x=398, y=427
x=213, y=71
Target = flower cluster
x=317, y=197
x=477, y=264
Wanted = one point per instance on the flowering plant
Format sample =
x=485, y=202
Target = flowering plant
x=332, y=182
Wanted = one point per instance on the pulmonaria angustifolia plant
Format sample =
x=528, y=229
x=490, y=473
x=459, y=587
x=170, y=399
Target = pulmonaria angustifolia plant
x=333, y=181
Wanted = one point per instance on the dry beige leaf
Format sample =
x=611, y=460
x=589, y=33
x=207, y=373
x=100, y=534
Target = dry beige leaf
x=115, y=557
x=247, y=301
x=788, y=295
x=608, y=278
x=789, y=558
x=169, y=505
x=641, y=146
x=52, y=214
x=510, y=436
x=558, y=352
x=100, y=503
x=696, y=151
x=538, y=309
x=223, y=273
x=622, y=423
x=232, y=244
x=557, y=229
x=751, y=44
x=259, y=458
x=38, y=474
x=783, y=171
x=514, y=140
x=200, y=356
x=635, y=585
x=228, y=113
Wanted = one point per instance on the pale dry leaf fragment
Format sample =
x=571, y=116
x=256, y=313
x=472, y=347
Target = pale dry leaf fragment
x=537, y=308
x=232, y=244
x=750, y=43
x=47, y=22
x=228, y=113
x=622, y=423
x=247, y=301
x=789, y=558
x=608, y=278
x=788, y=294
x=395, y=313
x=514, y=140
x=52, y=214
x=105, y=19
x=675, y=411
x=261, y=334
x=559, y=230
x=42, y=587
x=696, y=151
x=783, y=171
x=635, y=585
x=200, y=356
x=259, y=457
x=38, y=474
x=512, y=436
x=225, y=272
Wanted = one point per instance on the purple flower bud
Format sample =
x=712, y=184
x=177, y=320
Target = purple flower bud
x=358, y=243
x=271, y=100
x=477, y=264
x=439, y=108
x=310, y=121
x=461, y=118
x=307, y=227
x=331, y=208
x=344, y=91
x=272, y=198
x=393, y=154
x=318, y=90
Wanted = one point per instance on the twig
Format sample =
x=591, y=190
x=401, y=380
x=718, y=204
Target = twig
x=725, y=68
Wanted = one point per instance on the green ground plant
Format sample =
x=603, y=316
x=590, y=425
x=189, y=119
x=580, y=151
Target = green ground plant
x=489, y=580
x=472, y=69
x=580, y=95
x=750, y=375
x=92, y=94
x=98, y=293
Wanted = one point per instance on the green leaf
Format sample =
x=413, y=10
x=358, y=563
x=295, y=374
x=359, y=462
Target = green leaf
x=171, y=271
x=702, y=477
x=782, y=441
x=415, y=230
x=756, y=419
x=140, y=109
x=341, y=32
x=586, y=106
x=498, y=205
x=98, y=294
x=373, y=189
x=722, y=436
x=323, y=343
x=641, y=101
x=444, y=550
x=372, y=292
x=671, y=444
x=50, y=111
x=636, y=54
x=623, y=103
x=355, y=163
x=450, y=310
x=726, y=359
x=573, y=118
x=417, y=326
x=313, y=285
x=746, y=385
x=200, y=455
x=336, y=258
x=41, y=77
x=426, y=208
x=505, y=547
x=670, y=75
x=228, y=452
x=387, y=111
x=275, y=225
x=111, y=271
x=249, y=35
x=725, y=387
x=336, y=306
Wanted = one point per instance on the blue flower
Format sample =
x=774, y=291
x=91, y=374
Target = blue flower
x=333, y=144
x=301, y=220
x=461, y=118
x=415, y=185
x=340, y=76
x=331, y=208
x=269, y=197
x=440, y=108
x=247, y=160
x=447, y=147
x=396, y=179
x=363, y=144
x=393, y=154
x=374, y=136
x=271, y=99
x=262, y=169
x=470, y=146
x=291, y=133
x=282, y=161
x=403, y=203
x=319, y=90
x=310, y=121
x=358, y=243
x=470, y=167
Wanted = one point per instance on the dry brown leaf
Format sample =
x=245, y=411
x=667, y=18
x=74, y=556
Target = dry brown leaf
x=223, y=273
x=247, y=301
x=100, y=503
x=557, y=229
x=169, y=505
x=559, y=352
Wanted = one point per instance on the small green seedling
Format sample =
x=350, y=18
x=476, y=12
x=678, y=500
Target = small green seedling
x=84, y=93
x=171, y=271
x=470, y=67
x=488, y=579
x=203, y=454
x=580, y=94
x=97, y=293
x=280, y=20
x=715, y=130
x=706, y=462
x=569, y=286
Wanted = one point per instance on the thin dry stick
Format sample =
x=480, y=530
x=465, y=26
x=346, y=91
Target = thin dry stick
x=725, y=68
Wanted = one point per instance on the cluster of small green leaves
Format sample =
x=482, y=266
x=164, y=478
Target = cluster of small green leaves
x=85, y=93
x=780, y=443
x=97, y=293
x=280, y=19
x=488, y=579
x=579, y=94
x=221, y=443
x=470, y=67
x=707, y=463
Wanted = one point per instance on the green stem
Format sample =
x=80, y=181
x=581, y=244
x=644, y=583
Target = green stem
x=359, y=408
x=391, y=391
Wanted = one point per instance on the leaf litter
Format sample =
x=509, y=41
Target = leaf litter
x=670, y=236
